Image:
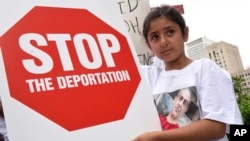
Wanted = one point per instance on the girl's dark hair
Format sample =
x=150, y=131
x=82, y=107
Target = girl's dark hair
x=167, y=11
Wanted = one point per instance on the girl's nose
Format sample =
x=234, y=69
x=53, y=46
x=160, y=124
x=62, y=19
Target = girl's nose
x=164, y=42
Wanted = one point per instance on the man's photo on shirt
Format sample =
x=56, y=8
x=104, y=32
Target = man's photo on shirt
x=178, y=108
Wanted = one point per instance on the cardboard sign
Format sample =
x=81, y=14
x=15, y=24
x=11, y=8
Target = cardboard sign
x=133, y=13
x=70, y=72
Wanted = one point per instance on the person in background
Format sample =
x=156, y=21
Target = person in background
x=3, y=130
x=165, y=33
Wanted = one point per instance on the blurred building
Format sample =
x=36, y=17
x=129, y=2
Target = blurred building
x=226, y=56
x=222, y=53
x=245, y=75
x=197, y=49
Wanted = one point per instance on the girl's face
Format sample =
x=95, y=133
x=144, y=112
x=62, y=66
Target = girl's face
x=166, y=40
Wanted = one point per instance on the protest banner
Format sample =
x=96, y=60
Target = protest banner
x=133, y=13
x=69, y=71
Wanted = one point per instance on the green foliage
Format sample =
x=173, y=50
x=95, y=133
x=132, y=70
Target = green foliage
x=243, y=99
x=244, y=105
x=237, y=84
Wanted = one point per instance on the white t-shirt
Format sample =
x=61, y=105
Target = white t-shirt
x=214, y=89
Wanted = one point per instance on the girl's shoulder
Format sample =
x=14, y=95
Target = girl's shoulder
x=151, y=69
x=206, y=65
x=204, y=62
x=209, y=67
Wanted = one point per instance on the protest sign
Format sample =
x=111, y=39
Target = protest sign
x=64, y=75
x=133, y=13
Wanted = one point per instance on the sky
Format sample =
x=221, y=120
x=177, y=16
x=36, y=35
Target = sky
x=217, y=20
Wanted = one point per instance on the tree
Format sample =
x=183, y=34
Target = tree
x=243, y=99
x=244, y=106
x=237, y=83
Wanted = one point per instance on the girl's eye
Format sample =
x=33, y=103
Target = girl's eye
x=170, y=32
x=154, y=37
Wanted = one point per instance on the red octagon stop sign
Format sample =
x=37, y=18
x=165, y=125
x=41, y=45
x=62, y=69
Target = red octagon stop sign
x=69, y=66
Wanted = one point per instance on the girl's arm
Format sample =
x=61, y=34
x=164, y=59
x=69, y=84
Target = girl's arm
x=202, y=130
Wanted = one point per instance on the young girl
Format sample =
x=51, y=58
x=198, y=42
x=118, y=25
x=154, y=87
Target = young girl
x=165, y=33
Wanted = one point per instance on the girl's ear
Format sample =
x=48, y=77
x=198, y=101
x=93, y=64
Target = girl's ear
x=186, y=33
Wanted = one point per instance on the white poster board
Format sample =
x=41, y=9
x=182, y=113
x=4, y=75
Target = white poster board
x=133, y=13
x=63, y=76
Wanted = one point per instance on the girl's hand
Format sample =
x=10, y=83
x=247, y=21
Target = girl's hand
x=148, y=136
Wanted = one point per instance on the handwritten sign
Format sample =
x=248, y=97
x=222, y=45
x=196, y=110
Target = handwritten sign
x=133, y=13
